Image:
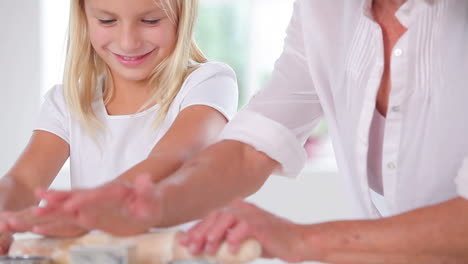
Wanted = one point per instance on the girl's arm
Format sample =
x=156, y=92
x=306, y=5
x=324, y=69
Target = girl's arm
x=37, y=167
x=195, y=128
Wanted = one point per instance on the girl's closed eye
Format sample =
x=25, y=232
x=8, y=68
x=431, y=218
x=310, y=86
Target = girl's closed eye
x=151, y=21
x=107, y=21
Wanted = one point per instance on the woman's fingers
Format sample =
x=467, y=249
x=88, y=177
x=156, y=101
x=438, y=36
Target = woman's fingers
x=197, y=235
x=218, y=226
x=218, y=232
x=237, y=235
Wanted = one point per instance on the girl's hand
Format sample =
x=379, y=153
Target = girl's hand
x=117, y=207
x=239, y=221
x=51, y=225
x=6, y=239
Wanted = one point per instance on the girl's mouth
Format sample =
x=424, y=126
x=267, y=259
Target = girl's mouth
x=132, y=60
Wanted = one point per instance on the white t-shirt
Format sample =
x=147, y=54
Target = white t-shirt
x=131, y=137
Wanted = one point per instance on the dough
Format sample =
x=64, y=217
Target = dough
x=249, y=251
x=151, y=248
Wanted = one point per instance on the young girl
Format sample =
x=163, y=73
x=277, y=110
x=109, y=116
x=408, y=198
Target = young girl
x=138, y=97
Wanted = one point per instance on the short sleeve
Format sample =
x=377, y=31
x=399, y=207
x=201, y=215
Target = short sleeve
x=54, y=115
x=214, y=84
x=462, y=180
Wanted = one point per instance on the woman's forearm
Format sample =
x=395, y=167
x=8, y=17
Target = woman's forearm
x=159, y=166
x=194, y=129
x=214, y=177
x=435, y=234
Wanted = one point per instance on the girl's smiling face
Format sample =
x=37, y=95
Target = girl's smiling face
x=131, y=36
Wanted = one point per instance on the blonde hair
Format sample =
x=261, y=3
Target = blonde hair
x=83, y=67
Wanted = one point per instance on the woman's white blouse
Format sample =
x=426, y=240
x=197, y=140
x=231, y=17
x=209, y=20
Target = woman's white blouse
x=332, y=67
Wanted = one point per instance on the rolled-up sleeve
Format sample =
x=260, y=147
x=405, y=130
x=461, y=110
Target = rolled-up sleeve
x=279, y=119
x=462, y=180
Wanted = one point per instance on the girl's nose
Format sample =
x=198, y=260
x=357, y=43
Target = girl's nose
x=130, y=40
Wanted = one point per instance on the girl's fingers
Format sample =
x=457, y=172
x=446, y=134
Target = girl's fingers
x=58, y=229
x=16, y=221
x=46, y=210
x=45, y=230
x=6, y=214
x=17, y=224
x=53, y=197
x=54, y=211
x=25, y=220
x=4, y=227
x=55, y=201
x=6, y=239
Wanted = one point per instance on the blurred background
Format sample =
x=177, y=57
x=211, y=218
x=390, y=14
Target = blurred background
x=246, y=34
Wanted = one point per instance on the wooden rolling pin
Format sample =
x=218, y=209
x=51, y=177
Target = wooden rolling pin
x=151, y=248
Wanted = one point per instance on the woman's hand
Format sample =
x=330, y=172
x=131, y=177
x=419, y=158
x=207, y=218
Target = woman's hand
x=239, y=221
x=117, y=207
x=51, y=225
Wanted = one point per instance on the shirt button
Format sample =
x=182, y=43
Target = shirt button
x=391, y=165
x=396, y=109
x=398, y=52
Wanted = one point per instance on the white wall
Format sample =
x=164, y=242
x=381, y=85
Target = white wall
x=19, y=76
x=54, y=25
